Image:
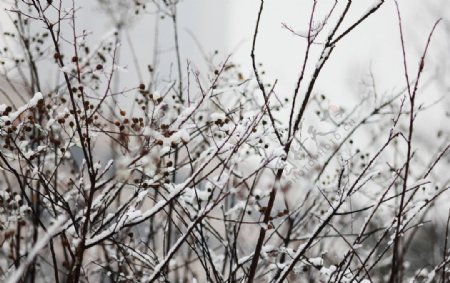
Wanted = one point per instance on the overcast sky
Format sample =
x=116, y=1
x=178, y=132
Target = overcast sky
x=227, y=26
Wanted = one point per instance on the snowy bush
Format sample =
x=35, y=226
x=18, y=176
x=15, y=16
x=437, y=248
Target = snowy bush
x=210, y=174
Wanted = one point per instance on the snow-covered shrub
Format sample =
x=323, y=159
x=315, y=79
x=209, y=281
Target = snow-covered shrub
x=209, y=175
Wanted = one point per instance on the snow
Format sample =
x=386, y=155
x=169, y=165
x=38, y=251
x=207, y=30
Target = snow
x=141, y=196
x=325, y=54
x=276, y=151
x=203, y=195
x=184, y=136
x=181, y=135
x=156, y=95
x=164, y=150
x=217, y=116
x=28, y=154
x=318, y=261
x=32, y=103
x=49, y=123
x=36, y=98
x=182, y=118
x=108, y=165
x=238, y=207
x=97, y=165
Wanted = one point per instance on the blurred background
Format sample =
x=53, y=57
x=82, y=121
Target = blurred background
x=211, y=30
